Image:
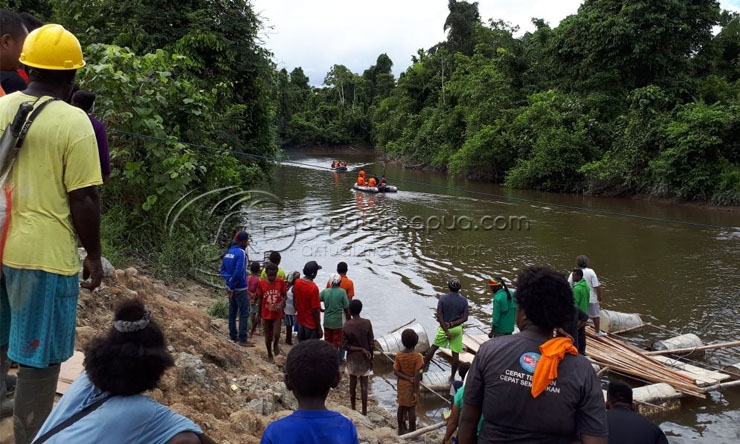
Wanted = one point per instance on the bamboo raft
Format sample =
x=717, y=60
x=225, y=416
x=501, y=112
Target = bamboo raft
x=629, y=360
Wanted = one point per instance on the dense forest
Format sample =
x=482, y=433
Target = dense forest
x=624, y=97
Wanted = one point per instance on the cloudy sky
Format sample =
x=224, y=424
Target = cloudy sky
x=317, y=34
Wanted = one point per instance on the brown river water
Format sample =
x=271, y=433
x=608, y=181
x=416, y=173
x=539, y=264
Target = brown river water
x=676, y=265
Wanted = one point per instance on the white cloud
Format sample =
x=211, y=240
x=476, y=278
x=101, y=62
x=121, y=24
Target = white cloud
x=317, y=34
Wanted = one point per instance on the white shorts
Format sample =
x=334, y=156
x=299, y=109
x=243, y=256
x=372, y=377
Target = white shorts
x=593, y=310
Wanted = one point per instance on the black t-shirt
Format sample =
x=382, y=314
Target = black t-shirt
x=453, y=306
x=11, y=82
x=500, y=383
x=628, y=427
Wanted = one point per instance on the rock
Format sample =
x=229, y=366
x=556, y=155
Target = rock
x=262, y=406
x=173, y=296
x=131, y=271
x=191, y=370
x=284, y=396
x=108, y=269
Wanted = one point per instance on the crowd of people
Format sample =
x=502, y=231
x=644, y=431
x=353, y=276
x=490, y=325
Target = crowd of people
x=540, y=369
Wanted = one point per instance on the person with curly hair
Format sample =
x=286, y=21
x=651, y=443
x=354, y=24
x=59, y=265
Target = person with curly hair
x=106, y=400
x=551, y=392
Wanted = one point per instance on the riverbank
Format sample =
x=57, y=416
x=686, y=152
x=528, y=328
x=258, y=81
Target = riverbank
x=231, y=392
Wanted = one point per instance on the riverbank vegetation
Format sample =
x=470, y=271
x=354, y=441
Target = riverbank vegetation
x=185, y=91
x=624, y=98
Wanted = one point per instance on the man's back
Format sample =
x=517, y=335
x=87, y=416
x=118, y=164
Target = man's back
x=628, y=427
x=453, y=306
x=59, y=155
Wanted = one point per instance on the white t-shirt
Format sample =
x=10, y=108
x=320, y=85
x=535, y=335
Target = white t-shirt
x=589, y=275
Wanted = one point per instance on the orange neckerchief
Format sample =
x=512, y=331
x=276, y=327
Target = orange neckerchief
x=553, y=351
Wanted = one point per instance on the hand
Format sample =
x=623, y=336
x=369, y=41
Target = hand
x=92, y=268
x=230, y=293
x=448, y=335
x=563, y=333
x=367, y=354
x=490, y=334
x=321, y=332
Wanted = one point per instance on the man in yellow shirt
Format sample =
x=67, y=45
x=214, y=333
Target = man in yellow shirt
x=54, y=201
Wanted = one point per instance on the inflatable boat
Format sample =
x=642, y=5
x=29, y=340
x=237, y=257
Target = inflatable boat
x=385, y=189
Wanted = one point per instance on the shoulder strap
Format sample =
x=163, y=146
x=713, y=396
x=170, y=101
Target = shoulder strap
x=72, y=419
x=29, y=121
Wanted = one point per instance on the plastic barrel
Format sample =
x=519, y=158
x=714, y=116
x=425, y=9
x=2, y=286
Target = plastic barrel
x=615, y=321
x=391, y=342
x=733, y=370
x=688, y=340
x=655, y=393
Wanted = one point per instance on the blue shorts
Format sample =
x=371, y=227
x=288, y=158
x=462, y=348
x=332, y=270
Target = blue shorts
x=38, y=311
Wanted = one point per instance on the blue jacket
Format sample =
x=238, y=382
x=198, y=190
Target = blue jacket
x=234, y=268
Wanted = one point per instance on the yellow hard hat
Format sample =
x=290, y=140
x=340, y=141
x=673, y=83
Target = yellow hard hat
x=52, y=47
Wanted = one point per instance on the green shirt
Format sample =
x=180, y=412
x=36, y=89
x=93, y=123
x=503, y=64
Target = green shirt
x=504, y=313
x=335, y=301
x=581, y=295
x=458, y=401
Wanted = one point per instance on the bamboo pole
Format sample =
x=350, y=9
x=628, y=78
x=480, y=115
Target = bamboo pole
x=722, y=385
x=693, y=349
x=423, y=430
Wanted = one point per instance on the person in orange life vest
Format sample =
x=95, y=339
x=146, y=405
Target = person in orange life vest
x=372, y=182
x=361, y=181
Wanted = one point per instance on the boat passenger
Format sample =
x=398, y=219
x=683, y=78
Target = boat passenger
x=372, y=182
x=361, y=181
x=344, y=164
x=361, y=173
x=552, y=393
x=382, y=180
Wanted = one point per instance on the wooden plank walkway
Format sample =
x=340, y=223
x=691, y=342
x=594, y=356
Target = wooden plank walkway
x=703, y=377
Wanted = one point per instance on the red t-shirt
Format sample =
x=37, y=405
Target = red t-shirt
x=272, y=294
x=306, y=299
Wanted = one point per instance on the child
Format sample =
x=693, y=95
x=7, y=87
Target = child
x=254, y=303
x=273, y=292
x=357, y=340
x=407, y=366
x=310, y=372
x=290, y=321
x=275, y=258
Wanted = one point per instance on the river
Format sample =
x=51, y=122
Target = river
x=676, y=265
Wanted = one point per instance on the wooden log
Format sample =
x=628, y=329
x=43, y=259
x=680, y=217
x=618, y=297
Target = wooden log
x=423, y=430
x=693, y=349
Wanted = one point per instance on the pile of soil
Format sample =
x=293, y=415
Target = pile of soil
x=231, y=392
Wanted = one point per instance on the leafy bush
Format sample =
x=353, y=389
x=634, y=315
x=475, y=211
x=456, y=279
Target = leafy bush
x=219, y=309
